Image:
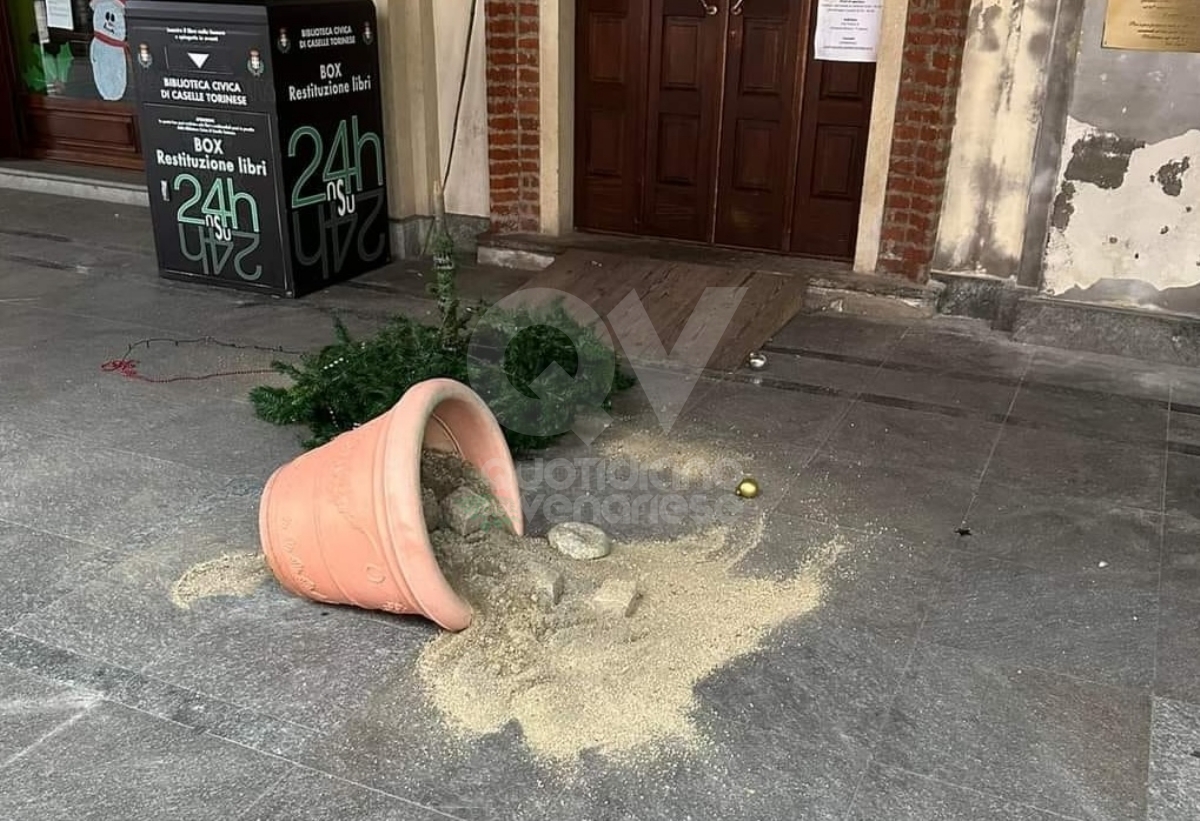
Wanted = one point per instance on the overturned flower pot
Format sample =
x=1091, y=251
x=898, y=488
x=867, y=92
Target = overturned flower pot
x=344, y=523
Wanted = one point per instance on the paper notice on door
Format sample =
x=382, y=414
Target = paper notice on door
x=848, y=30
x=59, y=14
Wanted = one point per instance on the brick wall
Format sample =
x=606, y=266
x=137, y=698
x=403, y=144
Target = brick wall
x=513, y=125
x=933, y=47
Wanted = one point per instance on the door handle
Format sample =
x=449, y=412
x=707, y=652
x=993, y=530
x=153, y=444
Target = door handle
x=709, y=8
x=736, y=8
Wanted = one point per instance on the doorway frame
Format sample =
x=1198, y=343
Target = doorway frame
x=556, y=46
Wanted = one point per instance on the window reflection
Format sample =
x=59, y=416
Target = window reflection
x=79, y=62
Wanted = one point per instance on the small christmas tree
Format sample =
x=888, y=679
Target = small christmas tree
x=351, y=382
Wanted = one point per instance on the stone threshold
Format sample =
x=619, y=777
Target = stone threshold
x=78, y=181
x=1154, y=336
x=832, y=287
x=1151, y=334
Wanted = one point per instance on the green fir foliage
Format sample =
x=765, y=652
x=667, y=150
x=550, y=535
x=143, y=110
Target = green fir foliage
x=351, y=382
x=544, y=379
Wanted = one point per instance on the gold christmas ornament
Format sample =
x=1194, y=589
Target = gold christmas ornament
x=747, y=488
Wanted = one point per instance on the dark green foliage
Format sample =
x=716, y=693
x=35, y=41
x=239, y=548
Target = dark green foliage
x=351, y=382
x=544, y=378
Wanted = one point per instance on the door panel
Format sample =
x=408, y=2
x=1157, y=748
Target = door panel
x=833, y=151
x=610, y=98
x=718, y=127
x=758, y=137
x=684, y=96
x=82, y=131
x=835, y=148
x=754, y=168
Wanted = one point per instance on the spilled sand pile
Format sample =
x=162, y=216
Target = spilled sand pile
x=232, y=574
x=577, y=673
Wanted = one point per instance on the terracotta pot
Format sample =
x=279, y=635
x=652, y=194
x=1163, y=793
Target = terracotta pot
x=343, y=523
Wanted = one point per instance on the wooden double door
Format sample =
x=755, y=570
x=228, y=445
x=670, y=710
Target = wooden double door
x=711, y=121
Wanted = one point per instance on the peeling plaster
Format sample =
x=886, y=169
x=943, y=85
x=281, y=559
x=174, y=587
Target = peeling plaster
x=1170, y=176
x=1136, y=237
x=1060, y=217
x=1127, y=229
x=1101, y=159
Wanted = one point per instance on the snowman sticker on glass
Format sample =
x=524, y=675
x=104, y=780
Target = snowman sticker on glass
x=108, y=48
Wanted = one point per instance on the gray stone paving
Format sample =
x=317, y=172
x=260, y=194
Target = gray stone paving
x=1015, y=633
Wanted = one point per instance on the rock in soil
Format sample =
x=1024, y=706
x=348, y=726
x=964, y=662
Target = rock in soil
x=465, y=512
x=546, y=584
x=429, y=506
x=444, y=473
x=580, y=541
x=616, y=597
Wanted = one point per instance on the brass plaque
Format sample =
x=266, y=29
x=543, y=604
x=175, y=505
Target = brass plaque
x=1153, y=25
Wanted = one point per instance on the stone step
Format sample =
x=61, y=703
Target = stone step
x=832, y=287
x=1154, y=336
x=1151, y=334
x=80, y=182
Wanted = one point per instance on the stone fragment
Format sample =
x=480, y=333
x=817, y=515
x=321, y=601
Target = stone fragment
x=616, y=597
x=429, y=506
x=465, y=512
x=579, y=540
x=545, y=583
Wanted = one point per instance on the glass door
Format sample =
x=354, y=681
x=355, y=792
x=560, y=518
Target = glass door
x=75, y=95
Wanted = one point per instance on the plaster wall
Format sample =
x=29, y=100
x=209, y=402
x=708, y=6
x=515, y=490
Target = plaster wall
x=409, y=111
x=422, y=52
x=1125, y=221
x=1001, y=98
x=888, y=66
x=467, y=184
